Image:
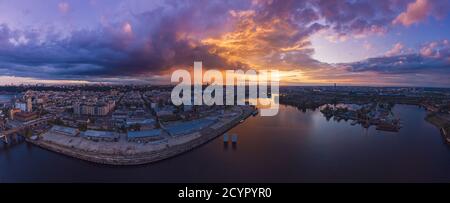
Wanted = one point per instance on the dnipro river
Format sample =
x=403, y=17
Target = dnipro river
x=5, y=97
x=290, y=147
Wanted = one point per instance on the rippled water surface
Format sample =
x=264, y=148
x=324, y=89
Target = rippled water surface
x=293, y=146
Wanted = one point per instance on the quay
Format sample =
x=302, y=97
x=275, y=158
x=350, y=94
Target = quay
x=445, y=134
x=441, y=121
x=144, y=157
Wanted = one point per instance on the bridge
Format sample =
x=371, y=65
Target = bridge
x=5, y=135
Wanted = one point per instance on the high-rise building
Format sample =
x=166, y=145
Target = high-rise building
x=94, y=109
x=2, y=123
x=20, y=105
x=29, y=105
x=88, y=110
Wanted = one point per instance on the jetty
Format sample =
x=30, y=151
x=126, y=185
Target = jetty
x=225, y=138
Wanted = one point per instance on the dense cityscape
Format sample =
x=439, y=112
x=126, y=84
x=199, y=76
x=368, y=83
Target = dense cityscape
x=125, y=124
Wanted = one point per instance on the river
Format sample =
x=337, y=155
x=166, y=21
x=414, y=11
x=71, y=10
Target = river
x=5, y=98
x=293, y=146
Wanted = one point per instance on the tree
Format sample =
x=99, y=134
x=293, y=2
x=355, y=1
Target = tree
x=82, y=127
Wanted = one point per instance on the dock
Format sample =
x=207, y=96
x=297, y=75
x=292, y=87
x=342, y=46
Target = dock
x=147, y=156
x=234, y=138
x=4, y=138
x=225, y=138
x=445, y=135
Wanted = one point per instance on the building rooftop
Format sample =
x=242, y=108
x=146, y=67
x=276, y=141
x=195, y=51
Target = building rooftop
x=26, y=114
x=131, y=121
x=189, y=126
x=144, y=133
x=100, y=134
x=61, y=129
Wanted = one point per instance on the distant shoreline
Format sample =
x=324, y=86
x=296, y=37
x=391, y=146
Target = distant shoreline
x=39, y=87
x=143, y=158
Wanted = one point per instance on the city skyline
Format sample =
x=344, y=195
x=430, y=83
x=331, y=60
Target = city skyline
x=374, y=43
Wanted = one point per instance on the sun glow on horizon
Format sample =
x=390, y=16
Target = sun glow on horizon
x=13, y=80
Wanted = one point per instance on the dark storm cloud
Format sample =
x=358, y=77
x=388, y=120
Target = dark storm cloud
x=403, y=64
x=153, y=43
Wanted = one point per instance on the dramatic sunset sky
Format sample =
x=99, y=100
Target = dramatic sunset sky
x=367, y=42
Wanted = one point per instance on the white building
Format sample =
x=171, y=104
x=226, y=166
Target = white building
x=29, y=105
x=21, y=105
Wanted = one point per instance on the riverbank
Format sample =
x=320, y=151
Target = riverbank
x=442, y=122
x=162, y=150
x=293, y=146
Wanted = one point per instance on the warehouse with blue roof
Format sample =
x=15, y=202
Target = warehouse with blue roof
x=187, y=127
x=144, y=135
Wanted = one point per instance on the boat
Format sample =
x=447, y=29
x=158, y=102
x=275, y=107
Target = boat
x=225, y=137
x=241, y=121
x=234, y=138
x=354, y=122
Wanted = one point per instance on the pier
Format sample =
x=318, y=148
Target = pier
x=5, y=136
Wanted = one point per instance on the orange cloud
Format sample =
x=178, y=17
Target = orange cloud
x=435, y=49
x=415, y=12
x=272, y=43
x=395, y=50
x=63, y=7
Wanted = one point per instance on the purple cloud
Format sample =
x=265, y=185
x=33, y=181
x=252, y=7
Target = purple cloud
x=154, y=37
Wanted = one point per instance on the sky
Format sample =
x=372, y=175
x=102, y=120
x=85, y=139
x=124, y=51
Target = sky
x=311, y=42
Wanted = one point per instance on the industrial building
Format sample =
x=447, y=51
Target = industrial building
x=101, y=135
x=144, y=136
